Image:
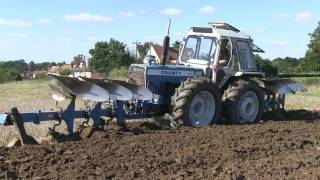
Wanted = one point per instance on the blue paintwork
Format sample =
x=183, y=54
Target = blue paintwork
x=2, y=118
x=69, y=114
x=165, y=83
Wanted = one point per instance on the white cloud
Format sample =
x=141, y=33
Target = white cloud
x=170, y=11
x=303, y=16
x=87, y=17
x=279, y=43
x=15, y=23
x=44, y=21
x=282, y=15
x=207, y=10
x=18, y=35
x=298, y=17
x=128, y=13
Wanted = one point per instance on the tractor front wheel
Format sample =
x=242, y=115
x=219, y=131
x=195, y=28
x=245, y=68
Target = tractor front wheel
x=196, y=102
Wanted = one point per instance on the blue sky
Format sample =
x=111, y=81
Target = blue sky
x=46, y=30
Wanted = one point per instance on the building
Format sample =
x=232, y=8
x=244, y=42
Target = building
x=156, y=51
x=54, y=69
x=77, y=72
x=66, y=66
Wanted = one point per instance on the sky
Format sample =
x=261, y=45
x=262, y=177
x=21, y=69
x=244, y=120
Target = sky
x=46, y=30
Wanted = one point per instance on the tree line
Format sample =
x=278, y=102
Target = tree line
x=12, y=70
x=308, y=64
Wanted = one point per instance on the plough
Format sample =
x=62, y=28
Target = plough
x=113, y=99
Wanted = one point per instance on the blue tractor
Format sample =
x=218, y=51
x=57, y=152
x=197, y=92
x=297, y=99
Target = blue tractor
x=216, y=77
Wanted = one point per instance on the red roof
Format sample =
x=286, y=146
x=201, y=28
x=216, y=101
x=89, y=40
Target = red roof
x=173, y=53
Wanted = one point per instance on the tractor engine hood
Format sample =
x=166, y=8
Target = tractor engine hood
x=168, y=70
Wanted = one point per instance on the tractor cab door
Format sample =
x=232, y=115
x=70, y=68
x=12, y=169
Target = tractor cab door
x=244, y=56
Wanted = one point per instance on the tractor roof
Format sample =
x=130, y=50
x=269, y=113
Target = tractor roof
x=219, y=30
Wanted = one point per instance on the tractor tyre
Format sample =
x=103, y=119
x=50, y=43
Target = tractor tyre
x=243, y=102
x=196, y=102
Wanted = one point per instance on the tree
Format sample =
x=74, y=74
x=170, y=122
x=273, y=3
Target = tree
x=286, y=65
x=77, y=60
x=266, y=66
x=9, y=74
x=20, y=65
x=176, y=44
x=31, y=66
x=143, y=49
x=43, y=65
x=109, y=55
x=311, y=62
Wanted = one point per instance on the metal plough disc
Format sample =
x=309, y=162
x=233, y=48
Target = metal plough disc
x=84, y=89
x=118, y=91
x=139, y=92
x=283, y=86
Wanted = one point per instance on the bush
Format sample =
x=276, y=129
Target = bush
x=65, y=72
x=266, y=66
x=9, y=74
x=42, y=76
x=119, y=73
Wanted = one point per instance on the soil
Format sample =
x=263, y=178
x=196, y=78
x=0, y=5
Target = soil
x=273, y=149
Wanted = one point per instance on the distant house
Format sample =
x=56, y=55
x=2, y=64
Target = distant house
x=156, y=51
x=54, y=69
x=76, y=70
x=66, y=66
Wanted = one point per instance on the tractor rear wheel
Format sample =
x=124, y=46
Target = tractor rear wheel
x=243, y=102
x=196, y=102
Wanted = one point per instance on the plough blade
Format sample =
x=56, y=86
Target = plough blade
x=139, y=92
x=283, y=86
x=97, y=90
x=116, y=90
x=75, y=87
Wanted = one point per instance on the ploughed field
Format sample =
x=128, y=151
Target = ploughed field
x=277, y=147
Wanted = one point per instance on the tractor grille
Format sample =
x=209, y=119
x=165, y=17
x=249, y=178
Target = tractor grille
x=137, y=74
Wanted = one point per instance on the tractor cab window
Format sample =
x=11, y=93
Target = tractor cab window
x=200, y=48
x=245, y=56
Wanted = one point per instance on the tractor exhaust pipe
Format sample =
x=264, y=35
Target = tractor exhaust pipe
x=166, y=44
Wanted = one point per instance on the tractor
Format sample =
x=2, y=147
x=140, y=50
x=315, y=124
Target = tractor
x=215, y=78
x=216, y=75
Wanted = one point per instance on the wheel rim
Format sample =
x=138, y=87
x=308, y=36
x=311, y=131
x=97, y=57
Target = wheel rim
x=248, y=107
x=202, y=109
